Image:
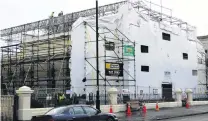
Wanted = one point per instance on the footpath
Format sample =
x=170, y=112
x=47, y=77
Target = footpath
x=164, y=113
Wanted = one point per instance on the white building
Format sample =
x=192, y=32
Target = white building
x=166, y=55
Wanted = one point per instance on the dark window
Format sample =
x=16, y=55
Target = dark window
x=205, y=51
x=56, y=111
x=71, y=111
x=109, y=45
x=90, y=110
x=144, y=49
x=78, y=110
x=166, y=36
x=194, y=72
x=145, y=68
x=185, y=56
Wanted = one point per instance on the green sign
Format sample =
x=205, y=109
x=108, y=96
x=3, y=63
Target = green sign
x=128, y=50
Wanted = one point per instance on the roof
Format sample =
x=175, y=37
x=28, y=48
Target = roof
x=74, y=105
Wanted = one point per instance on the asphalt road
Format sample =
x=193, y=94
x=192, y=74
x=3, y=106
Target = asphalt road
x=191, y=118
x=203, y=117
x=169, y=114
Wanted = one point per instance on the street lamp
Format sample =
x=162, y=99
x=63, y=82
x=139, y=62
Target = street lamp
x=97, y=61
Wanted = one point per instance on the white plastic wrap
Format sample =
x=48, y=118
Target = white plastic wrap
x=163, y=56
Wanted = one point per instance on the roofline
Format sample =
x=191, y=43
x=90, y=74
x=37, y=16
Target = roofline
x=203, y=37
x=104, y=10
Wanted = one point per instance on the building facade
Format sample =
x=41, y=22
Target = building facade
x=166, y=56
x=140, y=49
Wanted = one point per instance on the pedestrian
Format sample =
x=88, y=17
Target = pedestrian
x=61, y=99
x=61, y=13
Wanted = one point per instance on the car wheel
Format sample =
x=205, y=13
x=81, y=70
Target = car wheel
x=110, y=119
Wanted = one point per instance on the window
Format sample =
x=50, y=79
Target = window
x=78, y=110
x=144, y=49
x=185, y=56
x=205, y=51
x=166, y=36
x=109, y=45
x=145, y=68
x=56, y=111
x=71, y=111
x=194, y=72
x=90, y=110
x=167, y=73
x=155, y=91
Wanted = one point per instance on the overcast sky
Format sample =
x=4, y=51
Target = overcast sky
x=16, y=12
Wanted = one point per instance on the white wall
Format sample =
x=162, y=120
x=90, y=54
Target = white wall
x=77, y=58
x=163, y=55
x=83, y=47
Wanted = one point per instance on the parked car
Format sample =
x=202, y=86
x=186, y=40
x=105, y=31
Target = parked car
x=75, y=113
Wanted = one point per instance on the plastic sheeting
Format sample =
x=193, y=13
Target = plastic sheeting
x=162, y=57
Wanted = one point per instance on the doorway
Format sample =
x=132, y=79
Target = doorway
x=167, y=91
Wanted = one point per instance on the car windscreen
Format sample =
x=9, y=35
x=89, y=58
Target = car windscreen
x=56, y=111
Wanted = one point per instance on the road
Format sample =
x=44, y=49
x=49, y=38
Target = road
x=191, y=118
x=203, y=117
x=169, y=114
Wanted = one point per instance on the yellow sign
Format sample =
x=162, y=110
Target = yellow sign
x=107, y=65
x=113, y=69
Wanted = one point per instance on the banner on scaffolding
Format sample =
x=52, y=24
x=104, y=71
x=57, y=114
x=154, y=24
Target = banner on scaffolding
x=128, y=50
x=113, y=69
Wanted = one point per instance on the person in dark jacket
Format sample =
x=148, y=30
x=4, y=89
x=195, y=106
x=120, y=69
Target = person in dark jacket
x=61, y=13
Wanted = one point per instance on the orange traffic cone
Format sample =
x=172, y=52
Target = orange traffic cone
x=111, y=109
x=187, y=105
x=128, y=113
x=144, y=110
x=157, y=107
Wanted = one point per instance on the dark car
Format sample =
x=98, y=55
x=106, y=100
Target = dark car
x=75, y=113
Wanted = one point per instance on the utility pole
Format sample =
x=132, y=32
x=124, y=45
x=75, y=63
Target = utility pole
x=206, y=63
x=97, y=61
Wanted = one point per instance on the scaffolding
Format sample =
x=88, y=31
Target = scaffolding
x=38, y=53
x=202, y=60
x=142, y=6
x=116, y=49
x=40, y=59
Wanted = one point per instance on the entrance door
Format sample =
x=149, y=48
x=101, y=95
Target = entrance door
x=167, y=91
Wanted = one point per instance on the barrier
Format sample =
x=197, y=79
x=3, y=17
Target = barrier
x=25, y=112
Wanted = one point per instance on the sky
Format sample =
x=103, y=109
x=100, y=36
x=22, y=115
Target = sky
x=17, y=12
